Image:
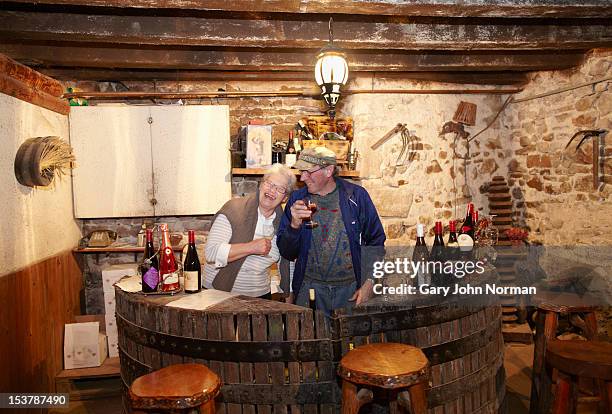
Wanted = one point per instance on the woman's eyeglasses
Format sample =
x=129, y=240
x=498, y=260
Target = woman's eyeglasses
x=278, y=188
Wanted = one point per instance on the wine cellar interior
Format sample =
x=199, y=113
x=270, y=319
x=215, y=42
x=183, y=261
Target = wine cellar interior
x=504, y=105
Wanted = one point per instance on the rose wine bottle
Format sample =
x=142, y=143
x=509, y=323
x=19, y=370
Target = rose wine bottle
x=149, y=268
x=168, y=269
x=192, y=269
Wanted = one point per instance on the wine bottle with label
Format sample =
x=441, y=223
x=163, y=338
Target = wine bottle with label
x=466, y=235
x=168, y=269
x=149, y=268
x=291, y=155
x=452, y=246
x=192, y=269
x=420, y=256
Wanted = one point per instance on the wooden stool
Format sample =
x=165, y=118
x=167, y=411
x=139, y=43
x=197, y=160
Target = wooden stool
x=550, y=305
x=176, y=388
x=402, y=369
x=573, y=359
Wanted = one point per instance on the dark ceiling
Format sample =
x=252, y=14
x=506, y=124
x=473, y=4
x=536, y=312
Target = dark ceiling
x=476, y=41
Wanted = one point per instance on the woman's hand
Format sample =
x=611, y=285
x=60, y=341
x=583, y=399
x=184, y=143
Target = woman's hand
x=364, y=293
x=260, y=246
x=290, y=298
x=299, y=211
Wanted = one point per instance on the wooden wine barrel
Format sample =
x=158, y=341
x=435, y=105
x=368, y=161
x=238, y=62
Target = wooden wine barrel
x=273, y=357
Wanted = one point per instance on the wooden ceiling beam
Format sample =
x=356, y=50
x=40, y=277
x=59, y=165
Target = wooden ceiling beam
x=102, y=74
x=440, y=8
x=243, y=33
x=96, y=57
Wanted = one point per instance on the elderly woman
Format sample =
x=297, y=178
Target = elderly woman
x=241, y=245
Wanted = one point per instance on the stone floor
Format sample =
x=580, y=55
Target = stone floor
x=518, y=360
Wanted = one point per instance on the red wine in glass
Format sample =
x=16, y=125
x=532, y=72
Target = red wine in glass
x=309, y=223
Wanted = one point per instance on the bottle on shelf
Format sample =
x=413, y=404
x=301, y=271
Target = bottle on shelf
x=452, y=246
x=141, y=235
x=168, y=268
x=192, y=271
x=297, y=144
x=149, y=268
x=291, y=155
x=466, y=234
x=421, y=254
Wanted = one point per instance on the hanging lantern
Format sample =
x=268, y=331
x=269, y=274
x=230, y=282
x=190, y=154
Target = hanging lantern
x=331, y=72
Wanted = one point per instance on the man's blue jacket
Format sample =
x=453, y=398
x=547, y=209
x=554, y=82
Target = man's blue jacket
x=361, y=221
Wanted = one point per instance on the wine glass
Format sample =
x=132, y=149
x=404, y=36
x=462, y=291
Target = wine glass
x=309, y=223
x=267, y=231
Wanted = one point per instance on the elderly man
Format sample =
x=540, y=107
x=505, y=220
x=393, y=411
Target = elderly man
x=241, y=244
x=328, y=256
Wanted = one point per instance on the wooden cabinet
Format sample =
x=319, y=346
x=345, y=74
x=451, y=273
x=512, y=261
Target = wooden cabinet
x=136, y=161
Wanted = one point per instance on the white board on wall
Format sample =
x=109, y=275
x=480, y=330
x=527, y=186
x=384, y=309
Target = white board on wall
x=191, y=154
x=129, y=156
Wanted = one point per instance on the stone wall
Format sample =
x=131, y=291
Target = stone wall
x=554, y=185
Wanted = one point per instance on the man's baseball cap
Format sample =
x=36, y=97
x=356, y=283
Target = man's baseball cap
x=313, y=157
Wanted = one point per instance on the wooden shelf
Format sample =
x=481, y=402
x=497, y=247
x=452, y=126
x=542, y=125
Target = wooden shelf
x=109, y=368
x=260, y=171
x=125, y=249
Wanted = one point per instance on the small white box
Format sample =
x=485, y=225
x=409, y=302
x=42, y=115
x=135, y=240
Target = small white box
x=111, y=274
x=84, y=345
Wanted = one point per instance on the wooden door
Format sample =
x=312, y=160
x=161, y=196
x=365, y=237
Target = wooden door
x=112, y=145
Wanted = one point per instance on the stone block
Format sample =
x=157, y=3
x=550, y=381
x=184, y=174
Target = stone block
x=536, y=183
x=583, y=183
x=392, y=201
x=489, y=166
x=584, y=120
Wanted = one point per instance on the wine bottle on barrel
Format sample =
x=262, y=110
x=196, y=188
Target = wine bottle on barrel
x=168, y=269
x=466, y=235
x=420, y=256
x=438, y=255
x=452, y=246
x=192, y=269
x=149, y=268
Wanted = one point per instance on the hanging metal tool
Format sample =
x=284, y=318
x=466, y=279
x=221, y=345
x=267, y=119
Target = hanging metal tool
x=596, y=135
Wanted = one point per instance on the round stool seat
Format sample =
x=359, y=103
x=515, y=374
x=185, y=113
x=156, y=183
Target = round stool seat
x=384, y=365
x=562, y=302
x=175, y=387
x=581, y=358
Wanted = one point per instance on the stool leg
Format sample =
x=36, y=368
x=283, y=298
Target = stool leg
x=353, y=400
x=566, y=395
x=590, y=321
x=546, y=327
x=208, y=407
x=418, y=400
x=608, y=397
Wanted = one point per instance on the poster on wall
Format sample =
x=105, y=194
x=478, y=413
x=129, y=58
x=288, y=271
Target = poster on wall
x=259, y=145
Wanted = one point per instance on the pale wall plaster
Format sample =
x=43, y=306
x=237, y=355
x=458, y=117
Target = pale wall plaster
x=36, y=223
